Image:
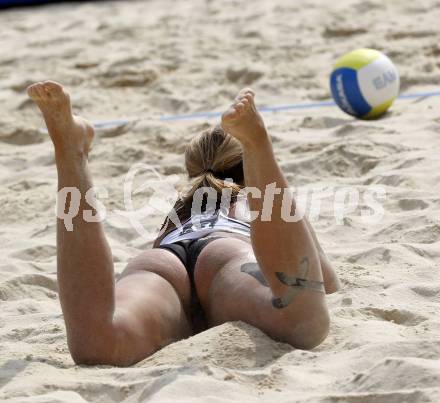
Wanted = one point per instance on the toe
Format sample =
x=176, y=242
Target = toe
x=247, y=91
x=39, y=90
x=243, y=93
x=242, y=96
x=52, y=87
x=240, y=107
x=250, y=99
x=247, y=109
x=246, y=95
x=246, y=104
x=31, y=91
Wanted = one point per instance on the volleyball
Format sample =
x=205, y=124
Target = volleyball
x=364, y=83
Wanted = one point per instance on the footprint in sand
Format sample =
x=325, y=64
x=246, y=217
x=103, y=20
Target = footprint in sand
x=37, y=253
x=36, y=286
x=324, y=122
x=397, y=316
x=427, y=290
x=20, y=136
x=342, y=159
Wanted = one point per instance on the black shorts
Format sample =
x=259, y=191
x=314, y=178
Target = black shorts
x=188, y=251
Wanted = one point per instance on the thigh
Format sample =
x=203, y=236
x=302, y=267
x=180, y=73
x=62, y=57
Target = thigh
x=152, y=298
x=164, y=264
x=232, y=287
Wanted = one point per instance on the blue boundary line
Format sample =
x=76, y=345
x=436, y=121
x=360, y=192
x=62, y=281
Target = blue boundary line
x=265, y=109
x=111, y=123
x=310, y=105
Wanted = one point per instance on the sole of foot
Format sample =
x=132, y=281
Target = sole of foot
x=68, y=132
x=242, y=119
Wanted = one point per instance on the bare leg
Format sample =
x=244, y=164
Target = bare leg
x=104, y=325
x=284, y=250
x=231, y=287
x=331, y=280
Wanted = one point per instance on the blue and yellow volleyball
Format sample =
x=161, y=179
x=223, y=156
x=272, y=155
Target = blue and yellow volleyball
x=364, y=83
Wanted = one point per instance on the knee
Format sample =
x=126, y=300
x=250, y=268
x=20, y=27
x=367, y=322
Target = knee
x=96, y=351
x=84, y=357
x=94, y=356
x=307, y=333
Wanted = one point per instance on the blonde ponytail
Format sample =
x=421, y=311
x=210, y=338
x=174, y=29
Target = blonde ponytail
x=213, y=159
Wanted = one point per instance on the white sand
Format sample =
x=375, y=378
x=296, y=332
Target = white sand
x=144, y=59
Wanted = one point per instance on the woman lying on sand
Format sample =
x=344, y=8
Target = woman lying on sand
x=193, y=277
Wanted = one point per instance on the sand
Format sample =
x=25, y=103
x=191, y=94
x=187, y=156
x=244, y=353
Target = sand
x=141, y=60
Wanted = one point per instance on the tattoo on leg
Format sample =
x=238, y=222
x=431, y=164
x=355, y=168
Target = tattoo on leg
x=296, y=284
x=254, y=270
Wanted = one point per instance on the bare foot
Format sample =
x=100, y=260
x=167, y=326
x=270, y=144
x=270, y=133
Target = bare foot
x=243, y=121
x=69, y=133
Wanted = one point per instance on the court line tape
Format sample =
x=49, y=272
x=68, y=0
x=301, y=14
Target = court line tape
x=265, y=109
